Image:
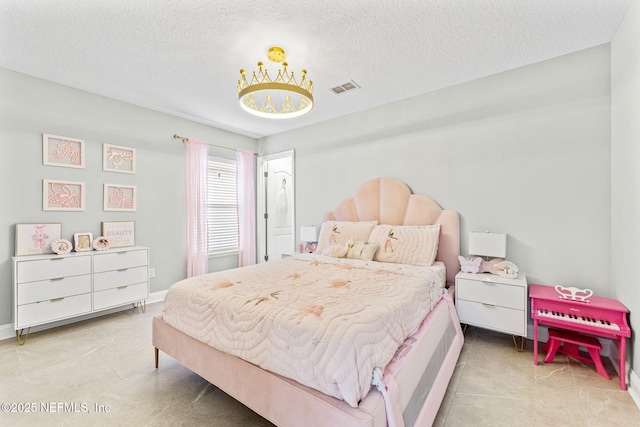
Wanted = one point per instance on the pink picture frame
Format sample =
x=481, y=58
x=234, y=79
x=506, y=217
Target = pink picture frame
x=118, y=197
x=62, y=151
x=61, y=195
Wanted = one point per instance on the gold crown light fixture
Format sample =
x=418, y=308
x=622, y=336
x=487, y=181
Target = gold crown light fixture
x=280, y=98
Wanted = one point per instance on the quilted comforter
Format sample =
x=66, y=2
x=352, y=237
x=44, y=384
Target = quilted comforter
x=324, y=322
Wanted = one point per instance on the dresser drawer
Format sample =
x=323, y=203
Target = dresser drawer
x=492, y=317
x=32, y=271
x=44, y=290
x=117, y=278
x=51, y=310
x=119, y=260
x=119, y=296
x=499, y=294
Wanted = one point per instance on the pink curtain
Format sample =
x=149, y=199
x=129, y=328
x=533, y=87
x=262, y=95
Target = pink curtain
x=196, y=198
x=246, y=207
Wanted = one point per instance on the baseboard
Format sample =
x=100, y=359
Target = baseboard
x=633, y=380
x=7, y=331
x=633, y=387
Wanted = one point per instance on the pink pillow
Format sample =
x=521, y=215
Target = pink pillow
x=406, y=244
x=339, y=232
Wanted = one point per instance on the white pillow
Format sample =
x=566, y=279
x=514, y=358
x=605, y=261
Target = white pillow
x=339, y=232
x=406, y=244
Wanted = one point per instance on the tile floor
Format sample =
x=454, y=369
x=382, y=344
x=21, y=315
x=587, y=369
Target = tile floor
x=103, y=371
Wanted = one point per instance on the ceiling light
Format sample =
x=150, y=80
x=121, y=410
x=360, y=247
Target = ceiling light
x=280, y=98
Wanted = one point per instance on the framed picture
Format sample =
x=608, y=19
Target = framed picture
x=118, y=159
x=83, y=241
x=120, y=233
x=62, y=151
x=119, y=197
x=62, y=195
x=35, y=239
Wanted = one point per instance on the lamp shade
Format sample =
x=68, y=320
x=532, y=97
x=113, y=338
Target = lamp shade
x=484, y=243
x=308, y=234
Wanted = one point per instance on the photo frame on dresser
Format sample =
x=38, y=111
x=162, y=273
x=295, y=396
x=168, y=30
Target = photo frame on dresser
x=119, y=233
x=83, y=241
x=36, y=238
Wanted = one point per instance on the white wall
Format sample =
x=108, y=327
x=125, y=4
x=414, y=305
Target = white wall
x=525, y=152
x=30, y=107
x=625, y=180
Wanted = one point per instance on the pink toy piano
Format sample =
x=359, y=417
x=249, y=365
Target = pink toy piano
x=598, y=316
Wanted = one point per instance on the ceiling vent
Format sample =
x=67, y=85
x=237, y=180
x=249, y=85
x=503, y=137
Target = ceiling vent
x=346, y=87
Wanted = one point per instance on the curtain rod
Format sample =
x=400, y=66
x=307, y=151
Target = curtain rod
x=185, y=138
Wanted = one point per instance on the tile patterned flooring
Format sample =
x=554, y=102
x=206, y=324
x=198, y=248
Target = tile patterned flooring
x=102, y=370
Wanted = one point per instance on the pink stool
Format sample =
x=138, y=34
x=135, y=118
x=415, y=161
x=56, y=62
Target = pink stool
x=567, y=342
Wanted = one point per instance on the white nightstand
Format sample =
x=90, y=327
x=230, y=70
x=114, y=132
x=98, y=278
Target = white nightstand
x=493, y=302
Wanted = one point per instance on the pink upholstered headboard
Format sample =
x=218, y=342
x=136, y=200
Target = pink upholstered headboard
x=389, y=201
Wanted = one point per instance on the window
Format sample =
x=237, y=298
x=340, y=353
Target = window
x=222, y=208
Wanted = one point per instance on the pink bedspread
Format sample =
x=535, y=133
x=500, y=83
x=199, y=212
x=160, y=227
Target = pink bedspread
x=324, y=322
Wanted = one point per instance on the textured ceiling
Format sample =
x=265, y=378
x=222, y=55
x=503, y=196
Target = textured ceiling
x=183, y=57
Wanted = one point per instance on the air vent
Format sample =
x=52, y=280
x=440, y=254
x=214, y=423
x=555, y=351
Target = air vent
x=346, y=87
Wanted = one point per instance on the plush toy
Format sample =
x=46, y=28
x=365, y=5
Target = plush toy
x=336, y=251
x=468, y=265
x=496, y=266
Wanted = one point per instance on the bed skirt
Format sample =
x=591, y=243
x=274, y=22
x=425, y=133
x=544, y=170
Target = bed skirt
x=422, y=379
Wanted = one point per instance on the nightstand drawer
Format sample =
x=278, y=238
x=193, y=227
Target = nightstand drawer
x=498, y=294
x=492, y=317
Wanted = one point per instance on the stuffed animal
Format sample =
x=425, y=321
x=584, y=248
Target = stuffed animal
x=496, y=266
x=468, y=265
x=336, y=251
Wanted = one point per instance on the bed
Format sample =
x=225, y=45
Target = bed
x=334, y=366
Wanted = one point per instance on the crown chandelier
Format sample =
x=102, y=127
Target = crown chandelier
x=281, y=98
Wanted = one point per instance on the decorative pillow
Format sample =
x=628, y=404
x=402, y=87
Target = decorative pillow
x=338, y=233
x=361, y=250
x=406, y=244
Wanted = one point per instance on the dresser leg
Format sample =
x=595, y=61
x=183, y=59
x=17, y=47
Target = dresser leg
x=19, y=334
x=156, y=354
x=141, y=304
x=515, y=343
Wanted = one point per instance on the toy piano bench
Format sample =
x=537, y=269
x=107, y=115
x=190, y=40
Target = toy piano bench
x=567, y=342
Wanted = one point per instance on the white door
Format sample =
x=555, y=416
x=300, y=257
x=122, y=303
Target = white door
x=276, y=206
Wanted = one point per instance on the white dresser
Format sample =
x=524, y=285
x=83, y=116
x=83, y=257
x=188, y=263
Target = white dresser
x=492, y=302
x=48, y=288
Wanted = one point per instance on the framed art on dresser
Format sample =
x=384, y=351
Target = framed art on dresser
x=36, y=238
x=119, y=233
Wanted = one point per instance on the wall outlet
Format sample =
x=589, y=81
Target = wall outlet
x=152, y=273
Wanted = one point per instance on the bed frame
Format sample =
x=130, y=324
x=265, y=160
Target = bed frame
x=429, y=357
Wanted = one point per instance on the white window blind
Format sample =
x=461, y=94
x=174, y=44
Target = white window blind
x=222, y=208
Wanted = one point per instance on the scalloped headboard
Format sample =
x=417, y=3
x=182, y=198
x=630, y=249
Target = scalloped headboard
x=389, y=201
